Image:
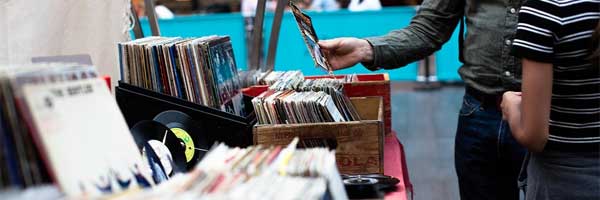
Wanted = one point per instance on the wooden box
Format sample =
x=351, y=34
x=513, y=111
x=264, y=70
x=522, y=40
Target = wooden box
x=359, y=143
x=367, y=85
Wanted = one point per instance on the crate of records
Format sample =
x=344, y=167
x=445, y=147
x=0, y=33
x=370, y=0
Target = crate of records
x=196, y=76
x=355, y=85
x=321, y=115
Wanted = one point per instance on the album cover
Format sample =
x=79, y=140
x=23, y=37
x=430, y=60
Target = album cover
x=310, y=38
x=70, y=123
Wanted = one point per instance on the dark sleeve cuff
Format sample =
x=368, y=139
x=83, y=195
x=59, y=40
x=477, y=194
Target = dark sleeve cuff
x=376, y=44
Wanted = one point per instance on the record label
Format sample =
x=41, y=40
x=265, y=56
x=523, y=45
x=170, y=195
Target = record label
x=183, y=135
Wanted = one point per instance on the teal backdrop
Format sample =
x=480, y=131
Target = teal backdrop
x=292, y=53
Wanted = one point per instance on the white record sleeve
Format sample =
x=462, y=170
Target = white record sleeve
x=83, y=135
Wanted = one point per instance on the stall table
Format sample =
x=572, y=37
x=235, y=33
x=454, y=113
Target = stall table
x=395, y=165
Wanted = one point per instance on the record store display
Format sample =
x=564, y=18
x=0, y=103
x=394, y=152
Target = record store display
x=62, y=120
x=200, y=70
x=256, y=172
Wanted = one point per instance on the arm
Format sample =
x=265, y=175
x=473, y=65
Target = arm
x=530, y=127
x=431, y=27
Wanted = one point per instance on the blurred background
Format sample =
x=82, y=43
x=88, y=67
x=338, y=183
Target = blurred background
x=331, y=18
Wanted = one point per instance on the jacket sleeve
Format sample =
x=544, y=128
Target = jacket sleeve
x=428, y=30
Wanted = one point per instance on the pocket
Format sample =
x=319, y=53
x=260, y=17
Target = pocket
x=469, y=106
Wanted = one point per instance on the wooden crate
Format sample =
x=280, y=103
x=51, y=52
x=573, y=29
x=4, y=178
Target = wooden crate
x=370, y=85
x=367, y=85
x=359, y=143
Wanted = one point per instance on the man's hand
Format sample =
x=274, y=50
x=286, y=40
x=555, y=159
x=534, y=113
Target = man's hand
x=346, y=52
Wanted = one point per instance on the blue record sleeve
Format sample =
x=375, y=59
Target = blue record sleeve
x=157, y=68
x=173, y=55
x=9, y=151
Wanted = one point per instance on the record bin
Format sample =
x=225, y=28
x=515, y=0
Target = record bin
x=367, y=85
x=359, y=144
x=139, y=104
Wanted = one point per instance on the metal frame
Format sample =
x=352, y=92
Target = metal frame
x=274, y=37
x=152, y=17
x=137, y=27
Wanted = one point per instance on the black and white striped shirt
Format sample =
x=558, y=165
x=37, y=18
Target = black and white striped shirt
x=560, y=32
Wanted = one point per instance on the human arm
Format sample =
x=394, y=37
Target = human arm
x=528, y=113
x=429, y=29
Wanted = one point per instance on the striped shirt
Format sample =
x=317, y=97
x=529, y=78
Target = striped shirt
x=560, y=32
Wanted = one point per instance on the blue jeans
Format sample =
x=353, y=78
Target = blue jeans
x=486, y=156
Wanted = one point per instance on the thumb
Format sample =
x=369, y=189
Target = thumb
x=330, y=44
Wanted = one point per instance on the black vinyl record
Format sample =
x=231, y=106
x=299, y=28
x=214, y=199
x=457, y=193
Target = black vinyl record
x=189, y=131
x=358, y=185
x=148, y=132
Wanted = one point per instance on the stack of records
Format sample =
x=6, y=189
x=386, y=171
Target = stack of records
x=274, y=79
x=256, y=173
x=200, y=70
x=291, y=107
x=249, y=78
x=275, y=76
x=60, y=121
x=303, y=101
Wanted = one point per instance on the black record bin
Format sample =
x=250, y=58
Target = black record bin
x=138, y=104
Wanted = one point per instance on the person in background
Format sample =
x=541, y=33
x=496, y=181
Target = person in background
x=162, y=12
x=487, y=157
x=364, y=5
x=557, y=115
x=324, y=5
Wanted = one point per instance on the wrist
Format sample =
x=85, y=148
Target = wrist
x=366, y=51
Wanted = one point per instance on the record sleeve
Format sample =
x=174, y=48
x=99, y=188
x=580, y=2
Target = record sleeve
x=310, y=38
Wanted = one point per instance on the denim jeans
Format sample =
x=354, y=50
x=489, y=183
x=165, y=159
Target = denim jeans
x=486, y=156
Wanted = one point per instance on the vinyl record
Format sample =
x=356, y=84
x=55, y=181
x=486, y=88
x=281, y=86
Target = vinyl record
x=189, y=131
x=163, y=141
x=381, y=182
x=362, y=188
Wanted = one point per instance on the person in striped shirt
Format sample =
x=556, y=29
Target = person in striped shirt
x=557, y=114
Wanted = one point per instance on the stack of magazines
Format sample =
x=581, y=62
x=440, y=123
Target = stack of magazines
x=256, y=173
x=201, y=70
